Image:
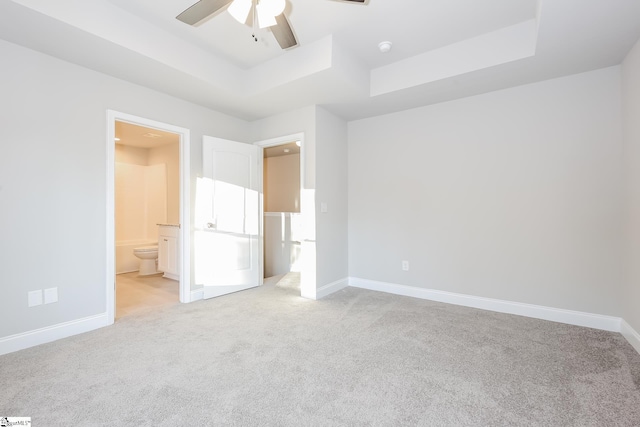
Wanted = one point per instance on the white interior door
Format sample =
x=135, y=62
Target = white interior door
x=227, y=251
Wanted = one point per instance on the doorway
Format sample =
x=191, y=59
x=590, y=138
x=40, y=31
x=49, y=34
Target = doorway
x=147, y=194
x=148, y=162
x=283, y=232
x=281, y=190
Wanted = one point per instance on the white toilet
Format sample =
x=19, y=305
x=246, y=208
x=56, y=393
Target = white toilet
x=148, y=256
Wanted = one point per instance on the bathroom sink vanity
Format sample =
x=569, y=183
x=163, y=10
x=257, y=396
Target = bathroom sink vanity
x=169, y=250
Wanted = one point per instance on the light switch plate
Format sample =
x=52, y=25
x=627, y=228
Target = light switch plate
x=50, y=295
x=35, y=298
x=323, y=207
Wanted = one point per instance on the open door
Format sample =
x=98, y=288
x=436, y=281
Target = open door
x=227, y=245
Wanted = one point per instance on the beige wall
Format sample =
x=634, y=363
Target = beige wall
x=167, y=154
x=132, y=155
x=170, y=156
x=282, y=183
x=140, y=202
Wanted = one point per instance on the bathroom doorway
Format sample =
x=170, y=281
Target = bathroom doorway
x=146, y=193
x=282, y=206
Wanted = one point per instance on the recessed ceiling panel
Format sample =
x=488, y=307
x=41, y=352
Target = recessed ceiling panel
x=413, y=26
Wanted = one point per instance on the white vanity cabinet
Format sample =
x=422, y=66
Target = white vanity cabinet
x=169, y=251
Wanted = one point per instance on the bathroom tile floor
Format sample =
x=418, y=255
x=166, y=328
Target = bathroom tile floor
x=135, y=294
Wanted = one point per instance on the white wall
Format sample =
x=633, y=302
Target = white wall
x=331, y=189
x=631, y=129
x=325, y=180
x=53, y=179
x=514, y=195
x=303, y=121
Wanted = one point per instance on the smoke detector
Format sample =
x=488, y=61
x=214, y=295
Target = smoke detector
x=384, y=46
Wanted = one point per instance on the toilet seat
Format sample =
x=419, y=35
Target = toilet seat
x=146, y=249
x=148, y=257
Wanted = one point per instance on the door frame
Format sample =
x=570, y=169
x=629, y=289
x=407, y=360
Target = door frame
x=185, y=205
x=272, y=142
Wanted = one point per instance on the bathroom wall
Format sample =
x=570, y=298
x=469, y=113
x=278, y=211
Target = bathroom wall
x=141, y=200
x=169, y=155
x=140, y=204
x=282, y=183
x=133, y=206
x=138, y=172
x=131, y=155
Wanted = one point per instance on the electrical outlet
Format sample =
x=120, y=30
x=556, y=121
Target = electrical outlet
x=405, y=265
x=50, y=295
x=35, y=298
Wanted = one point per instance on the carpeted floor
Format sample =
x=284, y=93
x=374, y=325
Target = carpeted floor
x=269, y=357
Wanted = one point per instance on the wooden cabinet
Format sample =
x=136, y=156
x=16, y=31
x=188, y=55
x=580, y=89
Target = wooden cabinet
x=169, y=251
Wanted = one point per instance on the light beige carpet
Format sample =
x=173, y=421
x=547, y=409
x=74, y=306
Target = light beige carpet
x=269, y=357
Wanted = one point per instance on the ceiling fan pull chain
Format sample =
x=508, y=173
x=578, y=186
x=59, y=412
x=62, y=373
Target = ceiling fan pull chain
x=255, y=18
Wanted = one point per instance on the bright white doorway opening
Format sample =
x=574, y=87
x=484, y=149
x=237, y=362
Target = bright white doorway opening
x=184, y=209
x=289, y=219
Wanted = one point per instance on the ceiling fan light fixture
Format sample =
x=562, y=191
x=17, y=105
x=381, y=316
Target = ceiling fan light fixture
x=240, y=9
x=273, y=7
x=264, y=13
x=265, y=18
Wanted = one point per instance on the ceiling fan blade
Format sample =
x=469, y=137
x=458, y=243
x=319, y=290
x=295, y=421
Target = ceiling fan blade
x=201, y=10
x=357, y=1
x=283, y=32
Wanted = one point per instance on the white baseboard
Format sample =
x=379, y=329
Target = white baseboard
x=578, y=318
x=171, y=276
x=327, y=289
x=330, y=288
x=52, y=333
x=615, y=324
x=197, y=295
x=631, y=335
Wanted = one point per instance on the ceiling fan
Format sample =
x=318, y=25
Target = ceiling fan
x=266, y=13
